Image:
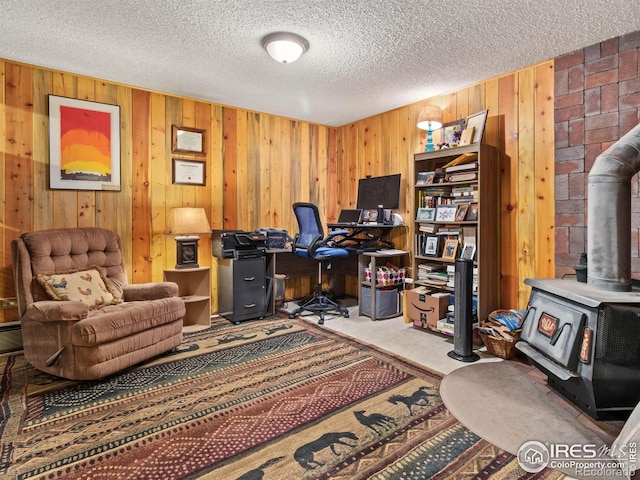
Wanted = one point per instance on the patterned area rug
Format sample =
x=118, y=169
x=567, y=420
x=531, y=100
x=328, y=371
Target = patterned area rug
x=272, y=399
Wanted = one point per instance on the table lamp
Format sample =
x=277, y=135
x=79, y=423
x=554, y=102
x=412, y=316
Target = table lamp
x=186, y=222
x=430, y=119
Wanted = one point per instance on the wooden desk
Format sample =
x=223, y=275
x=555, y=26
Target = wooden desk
x=283, y=261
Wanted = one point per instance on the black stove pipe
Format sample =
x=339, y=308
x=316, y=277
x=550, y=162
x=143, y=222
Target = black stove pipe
x=609, y=214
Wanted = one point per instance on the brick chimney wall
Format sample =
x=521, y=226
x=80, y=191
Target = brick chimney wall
x=597, y=100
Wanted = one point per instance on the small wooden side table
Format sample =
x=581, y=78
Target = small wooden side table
x=194, y=286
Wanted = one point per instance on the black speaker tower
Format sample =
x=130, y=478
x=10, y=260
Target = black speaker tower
x=463, y=313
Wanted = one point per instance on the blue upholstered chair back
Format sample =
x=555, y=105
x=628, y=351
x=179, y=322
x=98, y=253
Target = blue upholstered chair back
x=309, y=224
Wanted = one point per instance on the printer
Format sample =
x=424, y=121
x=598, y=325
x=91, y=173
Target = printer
x=238, y=244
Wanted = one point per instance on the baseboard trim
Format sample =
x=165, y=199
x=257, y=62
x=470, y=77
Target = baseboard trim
x=10, y=337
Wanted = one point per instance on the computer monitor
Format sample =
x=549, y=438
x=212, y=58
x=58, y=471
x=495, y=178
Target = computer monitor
x=375, y=191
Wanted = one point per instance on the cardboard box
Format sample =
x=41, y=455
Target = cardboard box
x=425, y=309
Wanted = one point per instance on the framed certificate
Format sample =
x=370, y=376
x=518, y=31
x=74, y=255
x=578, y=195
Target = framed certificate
x=188, y=172
x=188, y=140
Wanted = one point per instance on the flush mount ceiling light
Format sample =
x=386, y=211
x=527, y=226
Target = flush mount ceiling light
x=284, y=47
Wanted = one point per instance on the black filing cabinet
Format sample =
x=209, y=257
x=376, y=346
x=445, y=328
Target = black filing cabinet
x=242, y=289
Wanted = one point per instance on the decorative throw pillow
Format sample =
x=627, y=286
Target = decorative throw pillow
x=89, y=286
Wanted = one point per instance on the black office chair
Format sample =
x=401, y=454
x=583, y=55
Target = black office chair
x=310, y=242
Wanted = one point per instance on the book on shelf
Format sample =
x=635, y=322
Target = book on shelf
x=431, y=267
x=461, y=167
x=470, y=196
x=433, y=277
x=451, y=275
x=448, y=230
x=462, y=176
x=461, y=159
x=464, y=189
x=465, y=199
x=451, y=271
x=435, y=190
x=429, y=228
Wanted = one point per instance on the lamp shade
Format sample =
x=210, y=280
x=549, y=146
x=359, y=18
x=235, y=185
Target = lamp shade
x=285, y=47
x=188, y=220
x=430, y=118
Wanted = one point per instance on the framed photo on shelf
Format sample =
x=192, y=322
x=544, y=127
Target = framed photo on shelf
x=477, y=121
x=462, y=212
x=84, y=145
x=426, y=214
x=188, y=140
x=451, y=132
x=188, y=172
x=446, y=213
x=472, y=213
x=450, y=249
x=467, y=136
x=431, y=245
x=370, y=215
x=425, y=178
x=468, y=251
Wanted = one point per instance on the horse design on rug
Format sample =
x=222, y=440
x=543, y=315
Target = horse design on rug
x=305, y=454
x=258, y=473
x=183, y=349
x=231, y=337
x=418, y=398
x=277, y=328
x=376, y=421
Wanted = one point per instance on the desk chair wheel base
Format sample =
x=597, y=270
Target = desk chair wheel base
x=320, y=304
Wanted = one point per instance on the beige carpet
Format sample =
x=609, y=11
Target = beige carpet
x=499, y=403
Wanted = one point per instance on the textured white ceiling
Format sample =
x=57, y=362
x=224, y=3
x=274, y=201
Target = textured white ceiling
x=365, y=56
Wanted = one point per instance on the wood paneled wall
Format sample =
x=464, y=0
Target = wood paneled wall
x=520, y=125
x=259, y=164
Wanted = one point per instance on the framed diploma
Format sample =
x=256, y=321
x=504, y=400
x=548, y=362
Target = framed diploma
x=188, y=172
x=188, y=140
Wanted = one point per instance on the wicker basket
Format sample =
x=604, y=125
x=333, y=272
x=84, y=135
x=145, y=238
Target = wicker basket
x=500, y=347
x=503, y=345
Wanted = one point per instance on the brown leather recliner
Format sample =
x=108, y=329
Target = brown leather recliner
x=119, y=326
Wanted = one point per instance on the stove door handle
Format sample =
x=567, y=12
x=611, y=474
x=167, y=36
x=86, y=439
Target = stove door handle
x=558, y=332
x=531, y=310
x=556, y=335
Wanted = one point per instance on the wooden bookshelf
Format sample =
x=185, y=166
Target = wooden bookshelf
x=483, y=219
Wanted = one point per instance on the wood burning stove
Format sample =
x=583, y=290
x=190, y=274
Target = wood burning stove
x=587, y=342
x=586, y=336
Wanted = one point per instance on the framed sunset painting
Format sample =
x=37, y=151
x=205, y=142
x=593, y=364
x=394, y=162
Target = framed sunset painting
x=84, y=145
